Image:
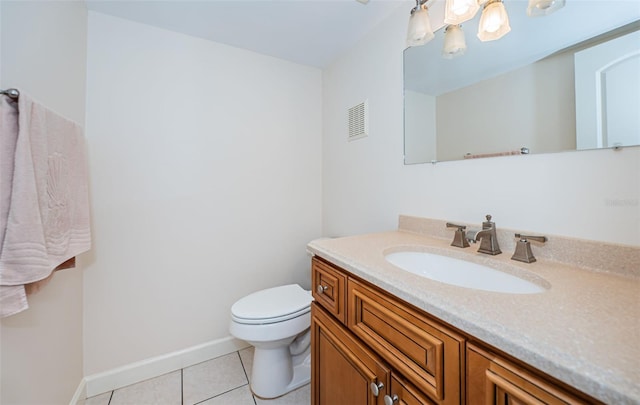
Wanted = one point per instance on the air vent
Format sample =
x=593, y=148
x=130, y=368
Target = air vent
x=359, y=121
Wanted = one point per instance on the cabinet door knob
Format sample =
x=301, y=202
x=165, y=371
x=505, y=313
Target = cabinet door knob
x=389, y=400
x=376, y=388
x=321, y=288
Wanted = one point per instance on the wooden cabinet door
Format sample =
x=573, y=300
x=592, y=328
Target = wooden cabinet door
x=492, y=380
x=342, y=370
x=402, y=392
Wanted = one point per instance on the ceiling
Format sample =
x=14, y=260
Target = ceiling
x=309, y=32
x=316, y=32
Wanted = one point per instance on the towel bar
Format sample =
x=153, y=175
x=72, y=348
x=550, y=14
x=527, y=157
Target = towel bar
x=11, y=93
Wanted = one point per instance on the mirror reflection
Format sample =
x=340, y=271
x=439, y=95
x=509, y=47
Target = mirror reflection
x=550, y=85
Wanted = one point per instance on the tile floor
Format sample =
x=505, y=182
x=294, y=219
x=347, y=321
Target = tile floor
x=220, y=381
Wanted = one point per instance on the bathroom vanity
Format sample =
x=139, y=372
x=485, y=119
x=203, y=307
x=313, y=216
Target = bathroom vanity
x=381, y=335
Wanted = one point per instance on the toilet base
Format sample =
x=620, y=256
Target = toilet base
x=275, y=372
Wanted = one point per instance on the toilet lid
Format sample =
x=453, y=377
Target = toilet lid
x=272, y=305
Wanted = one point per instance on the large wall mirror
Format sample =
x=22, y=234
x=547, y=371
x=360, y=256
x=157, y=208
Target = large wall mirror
x=566, y=81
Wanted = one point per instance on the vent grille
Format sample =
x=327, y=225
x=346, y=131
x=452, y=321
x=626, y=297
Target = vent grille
x=359, y=121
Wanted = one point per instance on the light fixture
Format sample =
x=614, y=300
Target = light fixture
x=419, y=31
x=459, y=11
x=538, y=8
x=454, y=43
x=494, y=22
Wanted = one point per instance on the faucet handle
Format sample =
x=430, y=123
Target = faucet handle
x=524, y=238
x=459, y=239
x=523, y=251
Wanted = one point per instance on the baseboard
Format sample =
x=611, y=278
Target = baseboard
x=80, y=394
x=143, y=370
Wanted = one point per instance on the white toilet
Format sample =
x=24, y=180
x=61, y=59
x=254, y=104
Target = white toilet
x=276, y=321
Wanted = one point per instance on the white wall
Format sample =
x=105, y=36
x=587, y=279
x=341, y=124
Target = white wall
x=205, y=171
x=591, y=194
x=43, y=53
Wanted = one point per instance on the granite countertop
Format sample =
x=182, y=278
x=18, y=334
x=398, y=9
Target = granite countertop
x=583, y=330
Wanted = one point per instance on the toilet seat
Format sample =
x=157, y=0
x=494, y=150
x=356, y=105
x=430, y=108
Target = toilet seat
x=272, y=305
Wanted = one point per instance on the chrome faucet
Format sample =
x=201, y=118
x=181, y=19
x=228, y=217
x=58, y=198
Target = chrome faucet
x=487, y=236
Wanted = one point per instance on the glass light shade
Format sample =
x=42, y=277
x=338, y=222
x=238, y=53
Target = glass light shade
x=538, y=8
x=454, y=43
x=459, y=11
x=494, y=22
x=419, y=31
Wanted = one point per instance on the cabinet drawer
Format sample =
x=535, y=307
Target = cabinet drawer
x=428, y=354
x=329, y=288
x=403, y=392
x=494, y=380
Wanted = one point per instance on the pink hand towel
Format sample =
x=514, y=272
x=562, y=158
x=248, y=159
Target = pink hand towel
x=48, y=216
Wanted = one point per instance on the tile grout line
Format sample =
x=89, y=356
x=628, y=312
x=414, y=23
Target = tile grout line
x=244, y=370
x=247, y=377
x=220, y=394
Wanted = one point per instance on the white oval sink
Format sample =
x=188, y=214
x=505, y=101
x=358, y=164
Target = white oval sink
x=461, y=273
